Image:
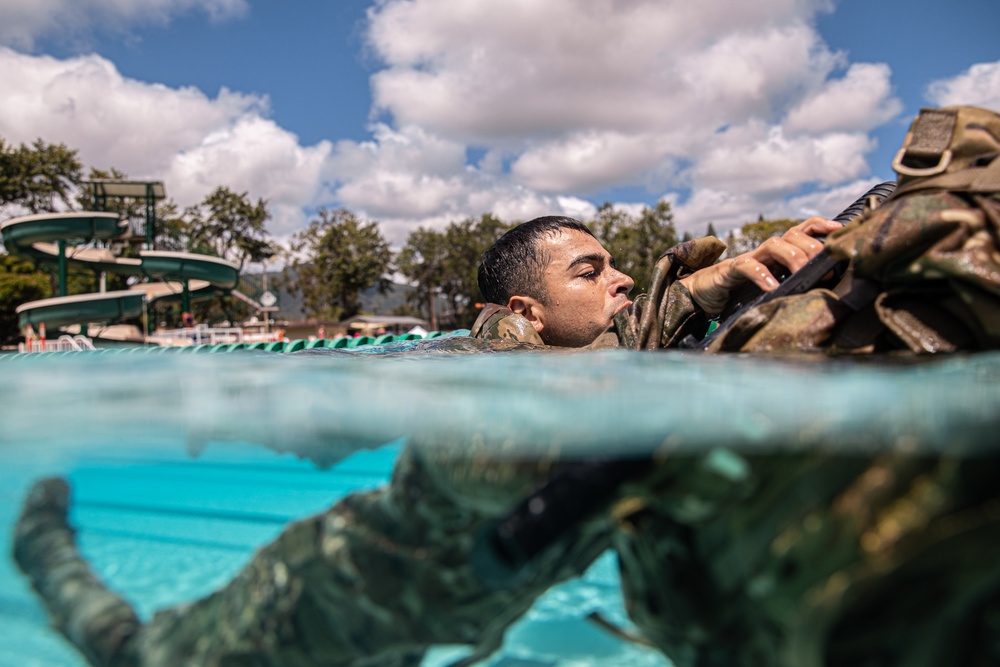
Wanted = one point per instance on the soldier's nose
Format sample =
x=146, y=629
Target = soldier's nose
x=623, y=284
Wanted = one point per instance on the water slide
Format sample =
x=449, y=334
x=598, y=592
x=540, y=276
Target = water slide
x=95, y=241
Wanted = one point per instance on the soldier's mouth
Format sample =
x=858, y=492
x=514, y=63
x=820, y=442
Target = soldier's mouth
x=628, y=302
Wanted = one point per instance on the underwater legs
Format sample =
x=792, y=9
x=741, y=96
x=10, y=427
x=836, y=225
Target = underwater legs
x=96, y=620
x=373, y=581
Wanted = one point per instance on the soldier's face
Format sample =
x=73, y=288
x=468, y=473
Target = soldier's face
x=583, y=291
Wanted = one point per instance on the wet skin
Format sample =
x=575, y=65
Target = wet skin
x=583, y=290
x=711, y=287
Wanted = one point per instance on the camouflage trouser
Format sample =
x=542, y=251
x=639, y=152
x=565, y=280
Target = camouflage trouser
x=820, y=560
x=374, y=580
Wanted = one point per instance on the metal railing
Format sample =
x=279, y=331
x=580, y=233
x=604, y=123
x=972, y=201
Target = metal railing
x=204, y=335
x=65, y=343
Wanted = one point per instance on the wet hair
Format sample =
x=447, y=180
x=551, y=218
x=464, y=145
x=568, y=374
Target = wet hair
x=515, y=264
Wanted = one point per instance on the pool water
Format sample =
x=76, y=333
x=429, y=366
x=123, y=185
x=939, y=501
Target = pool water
x=183, y=465
x=163, y=528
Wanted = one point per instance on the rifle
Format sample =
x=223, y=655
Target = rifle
x=504, y=549
x=805, y=278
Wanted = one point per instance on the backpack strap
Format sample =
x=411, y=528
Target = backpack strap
x=927, y=148
x=955, y=148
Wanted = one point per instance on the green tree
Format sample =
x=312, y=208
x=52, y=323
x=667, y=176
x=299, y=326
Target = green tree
x=229, y=225
x=172, y=229
x=445, y=264
x=636, y=242
x=753, y=234
x=465, y=243
x=20, y=282
x=35, y=176
x=422, y=261
x=334, y=259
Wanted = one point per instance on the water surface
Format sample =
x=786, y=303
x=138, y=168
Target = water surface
x=183, y=464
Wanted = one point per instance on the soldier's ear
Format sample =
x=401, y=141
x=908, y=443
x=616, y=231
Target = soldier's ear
x=529, y=308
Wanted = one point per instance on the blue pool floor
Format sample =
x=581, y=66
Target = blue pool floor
x=163, y=528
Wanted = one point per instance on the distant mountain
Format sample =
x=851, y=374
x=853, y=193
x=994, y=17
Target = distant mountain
x=291, y=305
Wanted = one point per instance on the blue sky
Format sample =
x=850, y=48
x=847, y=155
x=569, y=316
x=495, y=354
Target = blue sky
x=421, y=112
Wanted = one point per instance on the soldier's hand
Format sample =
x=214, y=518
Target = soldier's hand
x=711, y=287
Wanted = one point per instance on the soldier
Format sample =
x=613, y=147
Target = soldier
x=816, y=559
x=550, y=282
x=784, y=559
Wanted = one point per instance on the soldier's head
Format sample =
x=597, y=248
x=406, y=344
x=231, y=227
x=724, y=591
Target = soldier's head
x=553, y=271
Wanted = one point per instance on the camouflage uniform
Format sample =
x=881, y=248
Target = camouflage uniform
x=781, y=559
x=814, y=559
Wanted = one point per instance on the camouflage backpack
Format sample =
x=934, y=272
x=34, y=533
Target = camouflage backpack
x=924, y=275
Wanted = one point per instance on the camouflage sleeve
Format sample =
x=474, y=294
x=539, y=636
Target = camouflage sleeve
x=924, y=278
x=497, y=322
x=667, y=313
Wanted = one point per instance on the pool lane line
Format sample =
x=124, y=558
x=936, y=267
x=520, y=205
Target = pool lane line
x=245, y=517
x=251, y=467
x=170, y=539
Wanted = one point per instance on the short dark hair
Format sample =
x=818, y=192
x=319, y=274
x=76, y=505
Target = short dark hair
x=515, y=264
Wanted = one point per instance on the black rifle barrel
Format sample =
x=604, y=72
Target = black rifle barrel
x=505, y=548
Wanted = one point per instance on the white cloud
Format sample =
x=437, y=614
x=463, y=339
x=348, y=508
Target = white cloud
x=728, y=210
x=587, y=160
x=252, y=154
x=753, y=71
x=409, y=177
x=759, y=158
x=112, y=120
x=528, y=69
x=861, y=100
x=192, y=142
x=977, y=86
x=581, y=96
x=22, y=23
x=740, y=103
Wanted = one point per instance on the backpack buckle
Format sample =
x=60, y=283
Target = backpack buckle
x=944, y=159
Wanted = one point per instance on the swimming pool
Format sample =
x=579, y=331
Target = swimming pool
x=173, y=489
x=162, y=527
